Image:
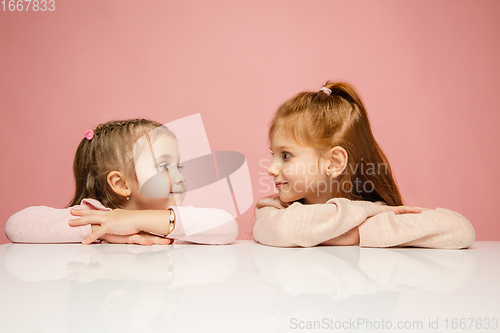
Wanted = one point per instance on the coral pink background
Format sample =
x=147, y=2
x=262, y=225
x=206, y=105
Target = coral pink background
x=427, y=70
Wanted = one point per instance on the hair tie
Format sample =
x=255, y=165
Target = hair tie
x=326, y=90
x=89, y=134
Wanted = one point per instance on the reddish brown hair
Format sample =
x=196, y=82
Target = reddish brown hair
x=323, y=121
x=109, y=150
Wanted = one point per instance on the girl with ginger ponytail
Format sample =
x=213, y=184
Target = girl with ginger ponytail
x=335, y=183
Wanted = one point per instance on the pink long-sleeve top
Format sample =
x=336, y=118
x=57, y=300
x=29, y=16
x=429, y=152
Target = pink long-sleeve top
x=288, y=225
x=41, y=224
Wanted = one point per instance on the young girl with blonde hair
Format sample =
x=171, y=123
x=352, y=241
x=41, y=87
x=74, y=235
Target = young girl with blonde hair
x=335, y=183
x=108, y=203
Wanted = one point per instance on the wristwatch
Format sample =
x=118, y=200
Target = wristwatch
x=171, y=221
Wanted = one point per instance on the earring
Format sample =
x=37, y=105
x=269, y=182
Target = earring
x=128, y=198
x=330, y=175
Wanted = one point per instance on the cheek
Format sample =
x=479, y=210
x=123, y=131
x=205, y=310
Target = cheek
x=293, y=178
x=311, y=169
x=303, y=174
x=296, y=185
x=294, y=171
x=302, y=183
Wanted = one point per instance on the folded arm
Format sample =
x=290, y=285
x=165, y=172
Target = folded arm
x=438, y=228
x=41, y=224
x=308, y=225
x=196, y=225
x=344, y=222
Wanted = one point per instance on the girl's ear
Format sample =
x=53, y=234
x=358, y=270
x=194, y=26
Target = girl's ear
x=116, y=181
x=338, y=161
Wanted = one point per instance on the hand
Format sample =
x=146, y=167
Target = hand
x=142, y=238
x=115, y=226
x=401, y=209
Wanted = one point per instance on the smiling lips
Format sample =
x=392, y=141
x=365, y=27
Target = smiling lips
x=278, y=184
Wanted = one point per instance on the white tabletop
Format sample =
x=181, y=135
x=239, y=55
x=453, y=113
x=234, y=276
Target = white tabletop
x=247, y=287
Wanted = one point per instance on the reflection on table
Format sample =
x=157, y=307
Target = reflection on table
x=351, y=283
x=342, y=272
x=108, y=287
x=244, y=287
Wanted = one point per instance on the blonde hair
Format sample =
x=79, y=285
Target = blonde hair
x=323, y=120
x=110, y=149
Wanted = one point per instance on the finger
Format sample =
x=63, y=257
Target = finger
x=84, y=220
x=83, y=212
x=414, y=210
x=398, y=210
x=157, y=239
x=161, y=241
x=408, y=210
x=138, y=239
x=95, y=235
x=116, y=239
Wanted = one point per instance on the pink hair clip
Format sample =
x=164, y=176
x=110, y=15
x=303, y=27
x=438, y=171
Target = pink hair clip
x=326, y=90
x=89, y=134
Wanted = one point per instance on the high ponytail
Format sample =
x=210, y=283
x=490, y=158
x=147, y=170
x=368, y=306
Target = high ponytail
x=336, y=116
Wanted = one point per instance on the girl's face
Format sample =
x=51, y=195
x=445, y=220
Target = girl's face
x=160, y=183
x=298, y=171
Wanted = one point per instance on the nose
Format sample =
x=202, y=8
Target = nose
x=273, y=169
x=177, y=176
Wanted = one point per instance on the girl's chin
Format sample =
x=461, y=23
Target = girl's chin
x=287, y=197
x=176, y=199
x=165, y=203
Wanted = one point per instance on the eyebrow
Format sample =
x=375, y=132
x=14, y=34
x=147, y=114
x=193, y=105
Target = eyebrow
x=282, y=147
x=167, y=156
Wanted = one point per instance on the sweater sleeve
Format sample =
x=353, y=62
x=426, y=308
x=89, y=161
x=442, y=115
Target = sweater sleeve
x=41, y=224
x=203, y=225
x=307, y=225
x=439, y=228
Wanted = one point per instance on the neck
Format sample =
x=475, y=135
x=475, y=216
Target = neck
x=130, y=205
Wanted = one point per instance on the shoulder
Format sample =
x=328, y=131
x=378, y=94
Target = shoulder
x=91, y=204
